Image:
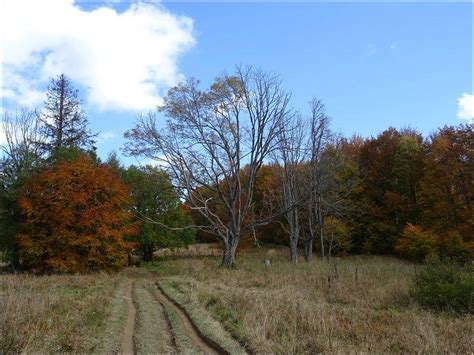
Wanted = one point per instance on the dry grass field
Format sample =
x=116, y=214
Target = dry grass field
x=357, y=304
x=348, y=304
x=59, y=313
x=101, y=313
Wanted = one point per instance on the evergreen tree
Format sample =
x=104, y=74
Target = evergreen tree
x=64, y=121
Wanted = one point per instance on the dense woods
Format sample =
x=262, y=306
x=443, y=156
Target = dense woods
x=235, y=164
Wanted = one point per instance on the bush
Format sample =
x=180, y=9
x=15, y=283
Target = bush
x=445, y=286
x=452, y=247
x=415, y=243
x=75, y=218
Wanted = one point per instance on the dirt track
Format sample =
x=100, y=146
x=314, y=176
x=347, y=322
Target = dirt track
x=190, y=329
x=184, y=326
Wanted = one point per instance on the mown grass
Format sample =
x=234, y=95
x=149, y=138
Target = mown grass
x=151, y=333
x=349, y=304
x=115, y=320
x=55, y=313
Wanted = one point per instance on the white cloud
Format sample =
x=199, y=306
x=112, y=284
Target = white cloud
x=466, y=107
x=20, y=90
x=125, y=60
x=106, y=136
x=157, y=163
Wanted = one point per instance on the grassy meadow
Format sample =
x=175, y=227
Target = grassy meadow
x=348, y=304
x=360, y=304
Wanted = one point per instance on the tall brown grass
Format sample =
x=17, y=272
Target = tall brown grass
x=53, y=313
x=348, y=304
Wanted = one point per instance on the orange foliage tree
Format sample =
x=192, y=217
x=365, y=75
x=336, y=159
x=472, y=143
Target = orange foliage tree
x=75, y=219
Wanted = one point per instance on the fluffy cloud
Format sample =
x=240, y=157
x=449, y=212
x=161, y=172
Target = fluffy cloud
x=123, y=59
x=466, y=107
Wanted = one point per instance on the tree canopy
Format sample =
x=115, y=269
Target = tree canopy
x=156, y=203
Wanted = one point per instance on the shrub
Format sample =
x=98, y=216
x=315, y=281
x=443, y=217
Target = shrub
x=452, y=247
x=445, y=286
x=75, y=219
x=415, y=243
x=337, y=238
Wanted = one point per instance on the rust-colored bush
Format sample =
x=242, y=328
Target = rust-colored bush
x=75, y=219
x=415, y=243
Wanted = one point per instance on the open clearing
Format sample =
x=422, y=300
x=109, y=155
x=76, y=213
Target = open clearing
x=189, y=305
x=126, y=313
x=348, y=304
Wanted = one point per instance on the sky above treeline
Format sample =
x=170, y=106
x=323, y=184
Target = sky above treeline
x=373, y=64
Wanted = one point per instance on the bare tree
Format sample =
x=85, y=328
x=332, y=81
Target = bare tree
x=332, y=176
x=319, y=137
x=21, y=147
x=290, y=156
x=20, y=154
x=213, y=145
x=308, y=179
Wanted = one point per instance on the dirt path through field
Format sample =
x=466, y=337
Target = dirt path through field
x=129, y=329
x=133, y=328
x=190, y=329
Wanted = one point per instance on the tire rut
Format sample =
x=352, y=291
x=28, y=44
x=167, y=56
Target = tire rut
x=199, y=340
x=169, y=327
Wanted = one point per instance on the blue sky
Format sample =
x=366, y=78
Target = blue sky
x=374, y=65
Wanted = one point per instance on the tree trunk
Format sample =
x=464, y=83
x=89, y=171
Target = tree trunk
x=321, y=235
x=147, y=253
x=59, y=138
x=228, y=258
x=293, y=222
x=15, y=260
x=330, y=246
x=294, y=249
x=308, y=250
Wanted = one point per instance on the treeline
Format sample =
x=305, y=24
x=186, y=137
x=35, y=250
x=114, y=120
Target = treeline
x=396, y=193
x=236, y=164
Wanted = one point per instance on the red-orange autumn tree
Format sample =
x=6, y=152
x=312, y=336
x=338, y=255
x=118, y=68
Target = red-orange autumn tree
x=75, y=219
